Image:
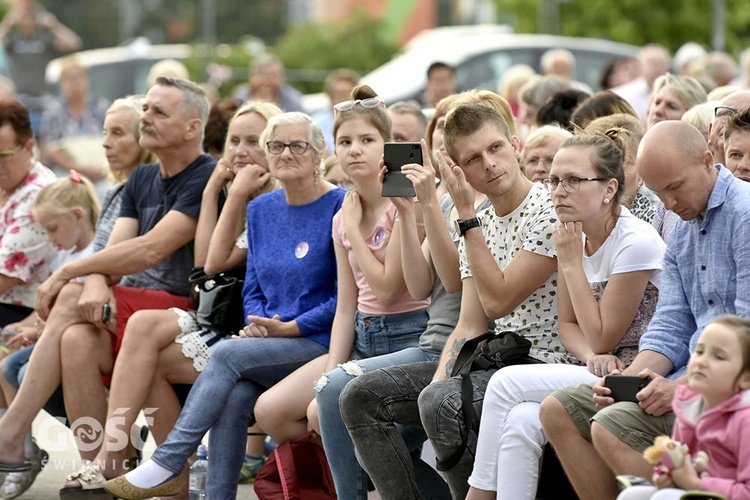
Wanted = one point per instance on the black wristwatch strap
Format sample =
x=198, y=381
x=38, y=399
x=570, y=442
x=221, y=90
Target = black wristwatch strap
x=464, y=225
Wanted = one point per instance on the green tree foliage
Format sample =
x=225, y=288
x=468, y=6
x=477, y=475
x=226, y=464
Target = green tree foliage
x=669, y=22
x=167, y=21
x=355, y=42
x=309, y=51
x=235, y=57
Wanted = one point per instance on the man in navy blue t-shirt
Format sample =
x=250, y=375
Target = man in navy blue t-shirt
x=151, y=244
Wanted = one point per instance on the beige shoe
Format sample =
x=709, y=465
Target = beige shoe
x=122, y=488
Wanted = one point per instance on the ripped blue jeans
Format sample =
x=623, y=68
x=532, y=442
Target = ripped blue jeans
x=381, y=341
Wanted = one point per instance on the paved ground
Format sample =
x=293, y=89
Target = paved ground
x=58, y=441
x=64, y=459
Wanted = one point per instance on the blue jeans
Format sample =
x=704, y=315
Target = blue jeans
x=381, y=341
x=15, y=368
x=222, y=399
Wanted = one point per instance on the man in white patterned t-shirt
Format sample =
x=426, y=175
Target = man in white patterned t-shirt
x=508, y=270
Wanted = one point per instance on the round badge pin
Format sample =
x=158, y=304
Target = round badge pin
x=380, y=236
x=302, y=248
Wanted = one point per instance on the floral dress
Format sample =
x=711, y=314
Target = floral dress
x=25, y=252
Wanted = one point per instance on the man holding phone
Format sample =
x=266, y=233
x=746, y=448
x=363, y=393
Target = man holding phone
x=706, y=274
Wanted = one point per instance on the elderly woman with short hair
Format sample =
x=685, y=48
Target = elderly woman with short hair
x=289, y=300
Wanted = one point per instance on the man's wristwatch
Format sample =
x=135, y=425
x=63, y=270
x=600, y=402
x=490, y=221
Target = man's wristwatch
x=464, y=225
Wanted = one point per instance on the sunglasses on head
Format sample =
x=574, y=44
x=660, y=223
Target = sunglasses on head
x=369, y=103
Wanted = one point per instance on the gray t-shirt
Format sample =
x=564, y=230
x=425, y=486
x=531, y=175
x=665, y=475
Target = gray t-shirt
x=28, y=58
x=445, y=307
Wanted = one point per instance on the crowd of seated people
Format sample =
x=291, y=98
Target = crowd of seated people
x=610, y=242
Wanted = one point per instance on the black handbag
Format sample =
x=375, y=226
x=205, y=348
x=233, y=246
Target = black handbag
x=218, y=300
x=489, y=351
x=493, y=350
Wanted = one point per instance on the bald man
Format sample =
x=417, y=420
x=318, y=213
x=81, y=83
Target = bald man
x=731, y=104
x=706, y=274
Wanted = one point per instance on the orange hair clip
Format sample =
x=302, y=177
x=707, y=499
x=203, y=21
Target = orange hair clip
x=75, y=176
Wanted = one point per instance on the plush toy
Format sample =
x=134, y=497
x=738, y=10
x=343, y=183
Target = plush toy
x=667, y=454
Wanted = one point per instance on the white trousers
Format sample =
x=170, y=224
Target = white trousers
x=647, y=492
x=511, y=438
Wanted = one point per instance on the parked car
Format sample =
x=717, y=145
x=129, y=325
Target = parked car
x=481, y=54
x=119, y=71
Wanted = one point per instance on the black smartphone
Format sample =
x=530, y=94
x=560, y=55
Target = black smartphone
x=625, y=387
x=396, y=155
x=106, y=313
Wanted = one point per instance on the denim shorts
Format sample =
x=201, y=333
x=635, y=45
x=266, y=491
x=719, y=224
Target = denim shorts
x=378, y=335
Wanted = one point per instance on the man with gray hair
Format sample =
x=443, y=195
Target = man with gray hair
x=408, y=122
x=151, y=245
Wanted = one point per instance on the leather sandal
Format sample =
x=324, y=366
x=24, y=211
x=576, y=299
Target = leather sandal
x=15, y=484
x=122, y=488
x=19, y=467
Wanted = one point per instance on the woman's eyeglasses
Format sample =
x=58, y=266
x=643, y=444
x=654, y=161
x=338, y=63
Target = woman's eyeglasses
x=369, y=103
x=296, y=147
x=7, y=154
x=569, y=184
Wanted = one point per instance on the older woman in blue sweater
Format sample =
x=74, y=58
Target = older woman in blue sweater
x=290, y=300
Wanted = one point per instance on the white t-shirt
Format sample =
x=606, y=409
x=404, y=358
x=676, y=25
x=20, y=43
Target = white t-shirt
x=633, y=245
x=65, y=256
x=528, y=227
x=638, y=94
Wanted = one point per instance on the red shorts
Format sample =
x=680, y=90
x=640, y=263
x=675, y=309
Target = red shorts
x=130, y=300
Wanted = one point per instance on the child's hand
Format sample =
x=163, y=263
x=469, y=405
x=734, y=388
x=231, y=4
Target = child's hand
x=25, y=335
x=686, y=477
x=663, y=480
